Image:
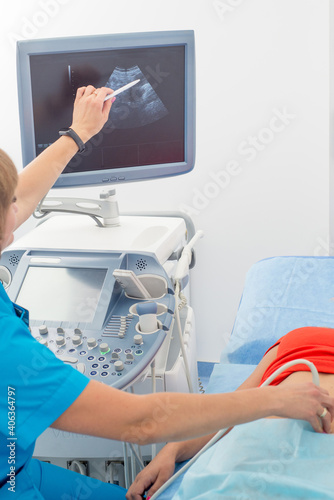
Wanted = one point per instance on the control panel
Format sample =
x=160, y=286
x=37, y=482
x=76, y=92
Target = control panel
x=81, y=311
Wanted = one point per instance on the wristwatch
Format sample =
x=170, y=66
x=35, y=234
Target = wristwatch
x=70, y=133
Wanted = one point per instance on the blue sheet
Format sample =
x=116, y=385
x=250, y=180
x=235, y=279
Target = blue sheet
x=264, y=460
x=280, y=294
x=227, y=377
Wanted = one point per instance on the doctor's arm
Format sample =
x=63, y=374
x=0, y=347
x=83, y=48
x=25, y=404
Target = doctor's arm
x=101, y=410
x=90, y=113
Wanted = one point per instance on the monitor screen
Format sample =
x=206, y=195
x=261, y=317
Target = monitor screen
x=62, y=294
x=150, y=132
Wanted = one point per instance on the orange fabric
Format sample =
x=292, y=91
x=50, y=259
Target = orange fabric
x=316, y=344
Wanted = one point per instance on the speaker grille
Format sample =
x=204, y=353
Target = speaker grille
x=14, y=259
x=141, y=264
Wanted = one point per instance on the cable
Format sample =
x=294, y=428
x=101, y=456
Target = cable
x=130, y=474
x=182, y=270
x=37, y=213
x=137, y=456
x=76, y=466
x=154, y=390
x=126, y=466
x=183, y=302
x=220, y=434
x=286, y=366
x=200, y=386
x=179, y=329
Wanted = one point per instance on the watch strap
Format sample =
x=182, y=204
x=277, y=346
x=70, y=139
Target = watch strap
x=71, y=133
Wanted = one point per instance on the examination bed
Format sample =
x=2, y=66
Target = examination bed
x=275, y=458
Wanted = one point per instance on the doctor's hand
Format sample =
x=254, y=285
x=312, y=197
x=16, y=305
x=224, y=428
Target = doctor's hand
x=155, y=474
x=90, y=111
x=306, y=401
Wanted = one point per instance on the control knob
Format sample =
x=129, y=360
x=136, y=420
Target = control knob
x=138, y=339
x=43, y=329
x=60, y=341
x=76, y=340
x=91, y=342
x=119, y=366
x=104, y=348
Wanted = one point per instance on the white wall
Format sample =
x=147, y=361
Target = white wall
x=260, y=184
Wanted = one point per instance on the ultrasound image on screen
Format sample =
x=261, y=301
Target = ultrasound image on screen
x=143, y=102
x=146, y=123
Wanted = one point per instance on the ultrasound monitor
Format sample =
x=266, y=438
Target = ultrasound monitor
x=151, y=128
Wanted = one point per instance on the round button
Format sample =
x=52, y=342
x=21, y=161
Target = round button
x=138, y=339
x=91, y=358
x=104, y=348
x=60, y=330
x=77, y=331
x=95, y=365
x=91, y=342
x=76, y=340
x=60, y=341
x=93, y=373
x=114, y=355
x=119, y=366
x=104, y=374
x=43, y=329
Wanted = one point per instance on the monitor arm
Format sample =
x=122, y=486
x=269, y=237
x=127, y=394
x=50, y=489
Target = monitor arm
x=104, y=211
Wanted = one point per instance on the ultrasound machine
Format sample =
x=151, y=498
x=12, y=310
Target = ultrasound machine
x=108, y=292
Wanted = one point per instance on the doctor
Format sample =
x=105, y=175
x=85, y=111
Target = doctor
x=37, y=390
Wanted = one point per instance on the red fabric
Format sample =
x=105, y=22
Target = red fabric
x=316, y=344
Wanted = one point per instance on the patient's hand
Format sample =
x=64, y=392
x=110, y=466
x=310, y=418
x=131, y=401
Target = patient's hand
x=306, y=401
x=153, y=476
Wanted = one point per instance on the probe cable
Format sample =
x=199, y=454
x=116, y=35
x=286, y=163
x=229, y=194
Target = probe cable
x=179, y=329
x=220, y=434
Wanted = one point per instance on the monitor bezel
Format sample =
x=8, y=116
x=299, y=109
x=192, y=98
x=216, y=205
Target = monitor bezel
x=27, y=48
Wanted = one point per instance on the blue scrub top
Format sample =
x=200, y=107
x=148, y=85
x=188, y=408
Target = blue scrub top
x=35, y=389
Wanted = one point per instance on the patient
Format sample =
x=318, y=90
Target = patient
x=316, y=344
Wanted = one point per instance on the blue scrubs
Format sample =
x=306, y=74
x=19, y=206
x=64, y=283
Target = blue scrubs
x=35, y=389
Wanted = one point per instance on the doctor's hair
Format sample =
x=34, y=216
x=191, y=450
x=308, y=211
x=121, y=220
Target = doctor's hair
x=8, y=183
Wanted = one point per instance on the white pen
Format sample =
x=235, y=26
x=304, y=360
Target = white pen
x=121, y=89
